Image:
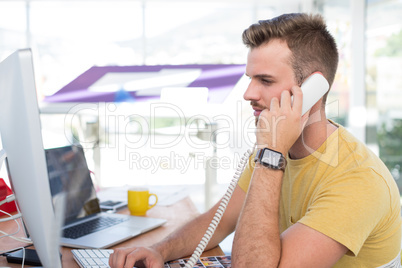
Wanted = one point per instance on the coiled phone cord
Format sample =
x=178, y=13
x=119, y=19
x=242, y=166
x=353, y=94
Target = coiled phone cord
x=219, y=212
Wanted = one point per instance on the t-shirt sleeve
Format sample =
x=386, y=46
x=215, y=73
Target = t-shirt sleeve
x=346, y=214
x=245, y=178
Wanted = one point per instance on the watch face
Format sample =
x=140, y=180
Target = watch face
x=270, y=157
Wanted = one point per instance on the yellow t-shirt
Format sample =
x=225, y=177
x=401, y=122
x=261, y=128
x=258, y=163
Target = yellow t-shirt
x=344, y=191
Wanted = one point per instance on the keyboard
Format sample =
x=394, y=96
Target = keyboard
x=91, y=226
x=92, y=258
x=99, y=258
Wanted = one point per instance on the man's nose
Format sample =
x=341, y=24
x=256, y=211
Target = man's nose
x=251, y=93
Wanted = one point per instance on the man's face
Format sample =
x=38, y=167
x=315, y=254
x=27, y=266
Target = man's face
x=269, y=69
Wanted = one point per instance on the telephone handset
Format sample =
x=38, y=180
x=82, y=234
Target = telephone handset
x=314, y=87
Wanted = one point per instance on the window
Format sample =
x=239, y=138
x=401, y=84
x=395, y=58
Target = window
x=13, y=25
x=384, y=82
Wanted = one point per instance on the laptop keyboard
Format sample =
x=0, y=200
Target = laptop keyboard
x=91, y=226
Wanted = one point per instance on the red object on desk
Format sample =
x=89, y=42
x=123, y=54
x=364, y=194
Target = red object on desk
x=4, y=192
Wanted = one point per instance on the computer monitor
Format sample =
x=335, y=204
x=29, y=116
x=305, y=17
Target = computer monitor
x=21, y=137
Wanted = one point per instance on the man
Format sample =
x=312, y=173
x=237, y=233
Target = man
x=334, y=204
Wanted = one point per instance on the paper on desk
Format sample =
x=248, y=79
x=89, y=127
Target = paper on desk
x=167, y=195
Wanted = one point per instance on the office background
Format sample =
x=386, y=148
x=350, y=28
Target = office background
x=69, y=37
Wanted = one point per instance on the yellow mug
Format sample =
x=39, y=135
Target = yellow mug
x=138, y=201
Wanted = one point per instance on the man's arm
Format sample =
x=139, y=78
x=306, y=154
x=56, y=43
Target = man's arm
x=183, y=241
x=257, y=238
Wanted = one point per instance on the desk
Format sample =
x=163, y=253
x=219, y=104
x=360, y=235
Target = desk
x=176, y=215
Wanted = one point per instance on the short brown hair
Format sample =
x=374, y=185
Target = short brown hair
x=313, y=47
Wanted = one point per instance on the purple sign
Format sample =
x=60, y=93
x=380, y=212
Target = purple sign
x=145, y=83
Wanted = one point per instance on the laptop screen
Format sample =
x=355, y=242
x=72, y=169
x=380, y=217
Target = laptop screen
x=69, y=174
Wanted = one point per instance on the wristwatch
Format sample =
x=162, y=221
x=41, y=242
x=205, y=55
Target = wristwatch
x=271, y=159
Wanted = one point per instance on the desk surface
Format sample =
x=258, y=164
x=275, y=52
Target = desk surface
x=176, y=216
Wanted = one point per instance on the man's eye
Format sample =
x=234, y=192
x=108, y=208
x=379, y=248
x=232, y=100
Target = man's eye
x=266, y=81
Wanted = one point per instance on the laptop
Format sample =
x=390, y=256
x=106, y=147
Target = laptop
x=85, y=226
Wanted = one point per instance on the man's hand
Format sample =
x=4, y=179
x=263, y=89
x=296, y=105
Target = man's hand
x=279, y=126
x=136, y=256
